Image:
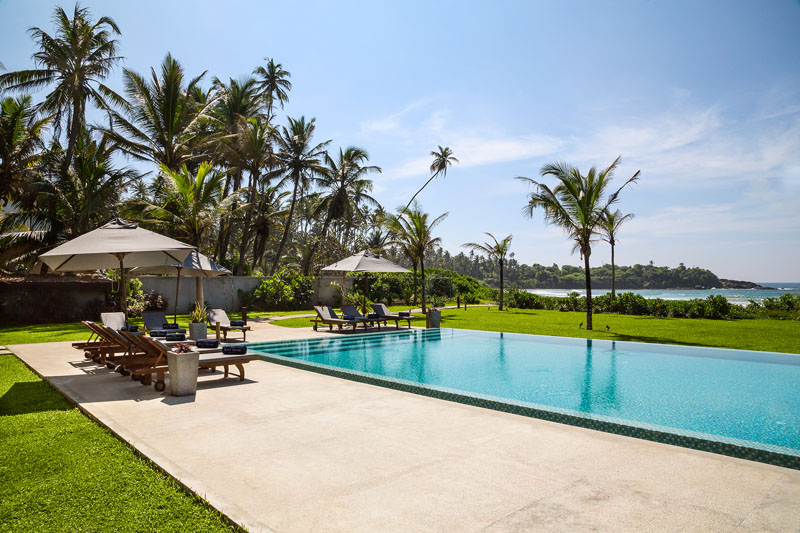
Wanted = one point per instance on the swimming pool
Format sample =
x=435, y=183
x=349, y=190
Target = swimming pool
x=728, y=398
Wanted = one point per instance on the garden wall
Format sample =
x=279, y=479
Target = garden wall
x=43, y=299
x=221, y=292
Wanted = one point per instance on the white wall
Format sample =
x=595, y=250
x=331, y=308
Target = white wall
x=220, y=292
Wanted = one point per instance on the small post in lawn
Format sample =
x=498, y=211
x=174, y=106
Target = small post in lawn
x=244, y=315
x=217, y=328
x=458, y=302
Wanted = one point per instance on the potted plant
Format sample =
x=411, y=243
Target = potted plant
x=197, y=322
x=183, y=365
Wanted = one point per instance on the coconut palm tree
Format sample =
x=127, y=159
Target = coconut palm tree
x=443, y=158
x=163, y=122
x=274, y=85
x=300, y=162
x=21, y=145
x=346, y=187
x=75, y=60
x=62, y=204
x=412, y=231
x=496, y=252
x=192, y=203
x=576, y=205
x=609, y=226
x=269, y=214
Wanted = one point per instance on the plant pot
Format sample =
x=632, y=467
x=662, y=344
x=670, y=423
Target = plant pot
x=433, y=318
x=183, y=373
x=197, y=330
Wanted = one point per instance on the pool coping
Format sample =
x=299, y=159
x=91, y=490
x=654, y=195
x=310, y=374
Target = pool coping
x=689, y=439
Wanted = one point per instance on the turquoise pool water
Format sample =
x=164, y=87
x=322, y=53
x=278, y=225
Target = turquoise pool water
x=720, y=394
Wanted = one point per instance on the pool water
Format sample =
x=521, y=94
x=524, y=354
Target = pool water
x=730, y=394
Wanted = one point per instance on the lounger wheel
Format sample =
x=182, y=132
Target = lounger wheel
x=124, y=372
x=87, y=354
x=111, y=366
x=160, y=386
x=136, y=377
x=95, y=357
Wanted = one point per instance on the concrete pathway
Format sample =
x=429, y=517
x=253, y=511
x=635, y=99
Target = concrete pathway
x=290, y=450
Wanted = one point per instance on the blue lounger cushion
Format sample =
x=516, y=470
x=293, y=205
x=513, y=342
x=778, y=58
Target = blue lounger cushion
x=169, y=325
x=404, y=314
x=158, y=333
x=237, y=323
x=131, y=329
x=234, y=349
x=176, y=337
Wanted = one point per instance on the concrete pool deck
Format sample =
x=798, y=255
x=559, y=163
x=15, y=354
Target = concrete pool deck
x=292, y=450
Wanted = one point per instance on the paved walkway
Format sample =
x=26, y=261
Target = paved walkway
x=290, y=450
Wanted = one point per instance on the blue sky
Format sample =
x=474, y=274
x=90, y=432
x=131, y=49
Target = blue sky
x=702, y=97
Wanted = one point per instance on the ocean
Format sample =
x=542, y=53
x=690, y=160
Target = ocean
x=735, y=296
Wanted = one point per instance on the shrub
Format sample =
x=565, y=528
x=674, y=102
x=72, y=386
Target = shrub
x=440, y=286
x=286, y=290
x=153, y=301
x=717, y=307
x=629, y=303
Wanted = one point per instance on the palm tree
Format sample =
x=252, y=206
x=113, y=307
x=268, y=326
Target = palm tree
x=76, y=60
x=268, y=216
x=274, y=85
x=300, y=162
x=20, y=145
x=496, y=252
x=65, y=204
x=609, y=226
x=413, y=233
x=347, y=189
x=443, y=158
x=192, y=206
x=576, y=204
x=163, y=121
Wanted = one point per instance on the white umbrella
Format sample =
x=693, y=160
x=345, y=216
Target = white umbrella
x=365, y=261
x=118, y=244
x=196, y=265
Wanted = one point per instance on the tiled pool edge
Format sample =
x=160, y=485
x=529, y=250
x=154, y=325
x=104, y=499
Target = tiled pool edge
x=685, y=441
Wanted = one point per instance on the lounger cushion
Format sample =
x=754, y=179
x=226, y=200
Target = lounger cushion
x=176, y=336
x=373, y=315
x=404, y=314
x=237, y=323
x=348, y=317
x=158, y=333
x=207, y=343
x=234, y=349
x=131, y=329
x=169, y=325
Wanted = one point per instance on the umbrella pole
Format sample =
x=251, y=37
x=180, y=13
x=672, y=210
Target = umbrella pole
x=177, y=288
x=123, y=297
x=364, y=305
x=198, y=289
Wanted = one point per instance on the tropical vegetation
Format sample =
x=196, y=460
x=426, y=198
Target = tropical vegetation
x=497, y=250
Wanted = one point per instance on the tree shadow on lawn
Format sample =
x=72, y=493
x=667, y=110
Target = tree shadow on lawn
x=31, y=397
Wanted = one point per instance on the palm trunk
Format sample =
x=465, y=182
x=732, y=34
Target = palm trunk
x=246, y=229
x=501, y=284
x=613, y=274
x=74, y=131
x=588, y=291
x=307, y=265
x=287, y=228
x=422, y=275
x=414, y=302
x=420, y=190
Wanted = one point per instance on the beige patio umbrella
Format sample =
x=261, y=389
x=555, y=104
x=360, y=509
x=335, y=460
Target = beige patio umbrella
x=365, y=261
x=118, y=244
x=196, y=265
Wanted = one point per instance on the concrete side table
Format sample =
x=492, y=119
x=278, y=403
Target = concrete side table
x=183, y=369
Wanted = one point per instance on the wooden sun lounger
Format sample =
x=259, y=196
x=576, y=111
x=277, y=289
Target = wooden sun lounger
x=383, y=311
x=325, y=317
x=109, y=349
x=351, y=310
x=210, y=359
x=156, y=320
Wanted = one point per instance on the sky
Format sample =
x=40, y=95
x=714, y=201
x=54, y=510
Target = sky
x=703, y=97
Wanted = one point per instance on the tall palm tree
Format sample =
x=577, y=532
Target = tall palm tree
x=412, y=231
x=192, y=203
x=274, y=85
x=163, y=121
x=443, y=158
x=21, y=145
x=346, y=189
x=76, y=60
x=64, y=204
x=300, y=162
x=269, y=214
x=576, y=205
x=609, y=226
x=496, y=252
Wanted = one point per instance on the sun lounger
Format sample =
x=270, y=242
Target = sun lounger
x=351, y=311
x=327, y=317
x=155, y=320
x=112, y=320
x=209, y=359
x=382, y=311
x=112, y=349
x=219, y=315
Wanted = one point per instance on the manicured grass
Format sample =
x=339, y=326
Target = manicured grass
x=757, y=334
x=59, y=471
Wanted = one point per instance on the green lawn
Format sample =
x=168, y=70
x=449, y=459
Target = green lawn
x=753, y=334
x=59, y=471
